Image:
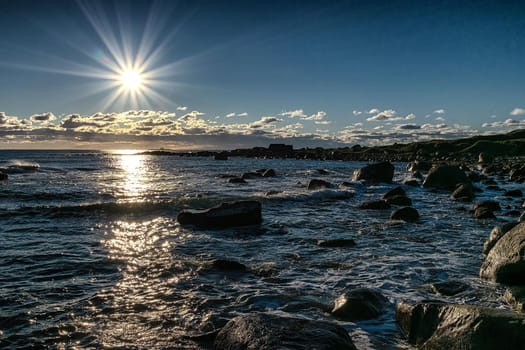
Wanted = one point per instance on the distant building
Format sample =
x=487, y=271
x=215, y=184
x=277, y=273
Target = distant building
x=280, y=148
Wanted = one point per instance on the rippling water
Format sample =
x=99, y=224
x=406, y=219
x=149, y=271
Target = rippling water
x=92, y=256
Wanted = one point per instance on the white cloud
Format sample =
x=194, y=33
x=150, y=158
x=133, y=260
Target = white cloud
x=298, y=113
x=234, y=115
x=505, y=124
x=182, y=108
x=356, y=113
x=373, y=111
x=317, y=116
x=43, y=117
x=384, y=115
x=517, y=111
x=440, y=119
x=323, y=122
x=439, y=111
x=410, y=116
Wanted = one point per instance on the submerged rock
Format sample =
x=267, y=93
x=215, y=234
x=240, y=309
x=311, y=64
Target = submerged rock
x=225, y=215
x=490, y=205
x=267, y=332
x=269, y=173
x=505, y=262
x=396, y=191
x=484, y=213
x=336, y=243
x=435, y=326
x=449, y=288
x=228, y=265
x=3, y=176
x=236, y=180
x=407, y=214
x=376, y=204
x=316, y=184
x=221, y=156
x=399, y=200
x=378, y=172
x=359, y=304
x=445, y=177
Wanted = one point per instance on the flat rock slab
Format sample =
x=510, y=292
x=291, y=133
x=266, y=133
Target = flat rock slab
x=231, y=214
x=267, y=332
x=435, y=326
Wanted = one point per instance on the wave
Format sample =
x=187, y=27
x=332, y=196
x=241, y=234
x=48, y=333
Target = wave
x=320, y=195
x=19, y=166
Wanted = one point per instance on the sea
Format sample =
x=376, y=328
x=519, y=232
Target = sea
x=92, y=256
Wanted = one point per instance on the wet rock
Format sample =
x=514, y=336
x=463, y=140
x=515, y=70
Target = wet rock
x=419, y=165
x=336, y=243
x=517, y=173
x=484, y=213
x=418, y=175
x=463, y=193
x=413, y=183
x=399, y=200
x=496, y=233
x=396, y=191
x=378, y=172
x=267, y=332
x=3, y=176
x=376, y=204
x=359, y=304
x=513, y=193
x=221, y=156
x=449, y=288
x=236, y=180
x=489, y=205
x=251, y=175
x=317, y=184
x=515, y=297
x=273, y=193
x=445, y=177
x=505, y=262
x=407, y=214
x=225, y=215
x=323, y=172
x=269, y=173
x=522, y=217
x=433, y=326
x=228, y=265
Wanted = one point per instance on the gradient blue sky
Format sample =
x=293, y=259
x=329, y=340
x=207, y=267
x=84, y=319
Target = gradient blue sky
x=227, y=74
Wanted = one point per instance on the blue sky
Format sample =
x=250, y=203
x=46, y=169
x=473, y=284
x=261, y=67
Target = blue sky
x=227, y=74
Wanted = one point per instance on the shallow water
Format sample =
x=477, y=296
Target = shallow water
x=92, y=256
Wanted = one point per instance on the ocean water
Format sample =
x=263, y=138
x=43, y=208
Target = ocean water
x=91, y=255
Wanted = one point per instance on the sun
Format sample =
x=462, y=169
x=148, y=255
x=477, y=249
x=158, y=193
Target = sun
x=131, y=80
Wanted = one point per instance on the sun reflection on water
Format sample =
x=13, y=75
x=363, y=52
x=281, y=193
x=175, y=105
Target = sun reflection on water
x=135, y=175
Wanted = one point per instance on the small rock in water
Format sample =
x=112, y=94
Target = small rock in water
x=399, y=200
x=323, y=172
x=251, y=175
x=396, y=191
x=449, y=288
x=513, y=193
x=359, y=304
x=463, y=193
x=231, y=214
x=228, y=265
x=378, y=172
x=376, y=204
x=236, y=180
x=267, y=332
x=407, y=214
x=413, y=183
x=484, y=213
x=316, y=184
x=269, y=173
x=489, y=205
x=335, y=243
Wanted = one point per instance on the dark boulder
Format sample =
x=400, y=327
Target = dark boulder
x=505, y=262
x=378, y=172
x=495, y=235
x=322, y=172
x=484, y=213
x=376, y=204
x=316, y=184
x=445, y=177
x=236, y=180
x=489, y=205
x=412, y=182
x=225, y=215
x=435, y=326
x=336, y=243
x=267, y=332
x=407, y=214
x=3, y=176
x=251, y=175
x=513, y=193
x=399, y=200
x=359, y=304
x=515, y=297
x=221, y=156
x=396, y=191
x=463, y=193
x=228, y=265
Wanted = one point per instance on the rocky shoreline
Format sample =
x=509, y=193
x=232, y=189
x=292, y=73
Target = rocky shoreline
x=426, y=325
